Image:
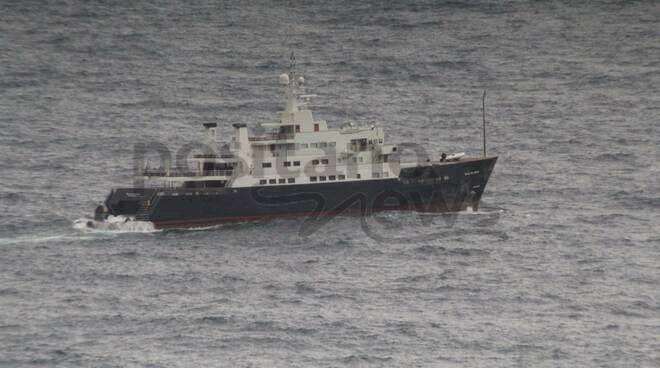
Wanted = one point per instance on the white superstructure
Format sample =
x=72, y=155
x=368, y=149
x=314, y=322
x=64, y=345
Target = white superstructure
x=299, y=150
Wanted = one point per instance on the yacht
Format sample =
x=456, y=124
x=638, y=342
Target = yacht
x=296, y=166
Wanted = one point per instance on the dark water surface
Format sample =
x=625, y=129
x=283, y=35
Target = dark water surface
x=560, y=268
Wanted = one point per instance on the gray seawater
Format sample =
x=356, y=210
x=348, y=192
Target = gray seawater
x=560, y=268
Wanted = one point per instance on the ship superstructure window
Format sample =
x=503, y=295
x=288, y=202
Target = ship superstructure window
x=266, y=164
x=332, y=144
x=331, y=177
x=358, y=176
x=296, y=163
x=316, y=127
x=297, y=128
x=375, y=175
x=341, y=177
x=324, y=161
x=303, y=145
x=323, y=145
x=291, y=180
x=312, y=178
x=282, y=181
x=272, y=181
x=287, y=163
x=315, y=162
x=263, y=181
x=220, y=166
x=321, y=178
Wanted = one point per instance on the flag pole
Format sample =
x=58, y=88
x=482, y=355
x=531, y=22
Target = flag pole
x=483, y=112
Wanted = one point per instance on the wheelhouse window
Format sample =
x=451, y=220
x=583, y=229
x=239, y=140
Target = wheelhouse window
x=266, y=164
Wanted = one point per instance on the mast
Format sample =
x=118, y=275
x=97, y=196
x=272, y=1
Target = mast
x=483, y=113
x=290, y=81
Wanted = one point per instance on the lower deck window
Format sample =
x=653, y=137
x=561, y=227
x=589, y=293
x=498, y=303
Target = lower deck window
x=272, y=181
x=331, y=177
x=282, y=181
x=342, y=177
x=312, y=178
x=291, y=180
x=263, y=181
x=321, y=178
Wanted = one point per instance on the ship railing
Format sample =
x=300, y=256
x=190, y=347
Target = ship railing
x=207, y=155
x=185, y=173
x=358, y=148
x=271, y=136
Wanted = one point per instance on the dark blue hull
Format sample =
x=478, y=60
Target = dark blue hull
x=444, y=187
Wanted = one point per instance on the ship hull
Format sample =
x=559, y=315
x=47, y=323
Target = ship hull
x=441, y=187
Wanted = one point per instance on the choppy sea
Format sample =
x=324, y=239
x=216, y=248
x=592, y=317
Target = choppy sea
x=559, y=268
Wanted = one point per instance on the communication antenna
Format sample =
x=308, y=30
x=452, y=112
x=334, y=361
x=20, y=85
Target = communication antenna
x=483, y=113
x=292, y=63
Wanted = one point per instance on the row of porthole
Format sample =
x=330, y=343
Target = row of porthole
x=330, y=178
x=277, y=181
x=311, y=179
